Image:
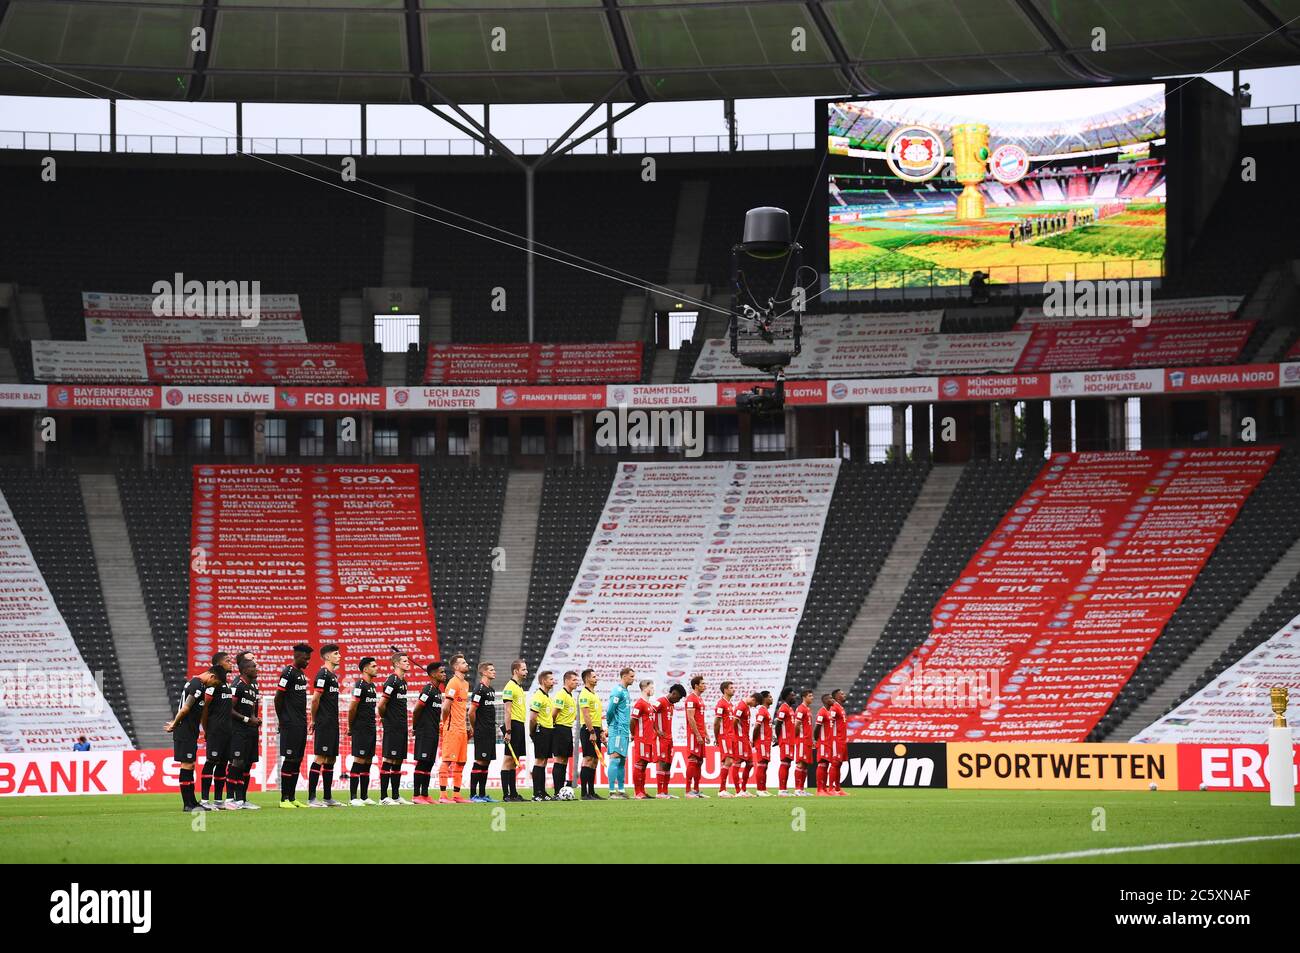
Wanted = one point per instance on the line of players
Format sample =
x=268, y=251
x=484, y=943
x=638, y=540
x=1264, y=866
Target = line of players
x=448, y=712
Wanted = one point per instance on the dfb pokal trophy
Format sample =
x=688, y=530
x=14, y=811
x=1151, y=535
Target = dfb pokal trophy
x=1281, y=777
x=970, y=155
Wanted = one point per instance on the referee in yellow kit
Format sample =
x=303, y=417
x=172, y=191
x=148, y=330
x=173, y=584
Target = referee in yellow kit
x=566, y=713
x=541, y=726
x=514, y=705
x=592, y=713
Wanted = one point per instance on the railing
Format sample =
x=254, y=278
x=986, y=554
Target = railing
x=940, y=281
x=1269, y=115
x=260, y=145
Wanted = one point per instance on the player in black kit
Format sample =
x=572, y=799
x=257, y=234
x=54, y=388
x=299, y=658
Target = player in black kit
x=245, y=721
x=483, y=716
x=361, y=729
x=325, y=728
x=216, y=730
x=392, y=712
x=425, y=720
x=184, y=729
x=291, y=711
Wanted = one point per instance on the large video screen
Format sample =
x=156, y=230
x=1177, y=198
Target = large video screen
x=1029, y=186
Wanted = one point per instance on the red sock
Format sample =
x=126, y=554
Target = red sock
x=638, y=779
x=760, y=776
x=783, y=774
x=835, y=774
x=663, y=779
x=821, y=776
x=800, y=775
x=692, y=775
x=722, y=780
x=744, y=776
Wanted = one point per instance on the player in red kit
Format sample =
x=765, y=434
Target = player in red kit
x=841, y=740
x=824, y=731
x=724, y=729
x=645, y=735
x=784, y=728
x=803, y=743
x=762, y=740
x=697, y=737
x=664, y=727
x=744, y=752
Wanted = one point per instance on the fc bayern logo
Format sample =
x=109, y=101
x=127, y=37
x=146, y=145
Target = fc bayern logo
x=915, y=153
x=508, y=397
x=839, y=391
x=400, y=397
x=175, y=397
x=1009, y=163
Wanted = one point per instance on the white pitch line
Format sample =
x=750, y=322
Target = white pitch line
x=1102, y=851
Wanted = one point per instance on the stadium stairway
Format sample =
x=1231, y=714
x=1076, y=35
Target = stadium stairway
x=1185, y=679
x=142, y=678
x=8, y=371
x=508, y=601
x=439, y=311
x=399, y=236
x=1263, y=533
x=632, y=318
x=664, y=370
x=688, y=231
x=982, y=496
x=867, y=510
x=31, y=316
x=572, y=500
x=891, y=581
x=394, y=369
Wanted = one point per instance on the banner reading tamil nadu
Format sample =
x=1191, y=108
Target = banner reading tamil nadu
x=697, y=569
x=1049, y=619
x=315, y=554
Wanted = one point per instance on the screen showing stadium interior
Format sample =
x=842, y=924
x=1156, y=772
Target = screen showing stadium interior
x=1042, y=185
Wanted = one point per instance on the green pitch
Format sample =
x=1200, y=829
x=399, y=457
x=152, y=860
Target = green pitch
x=922, y=249
x=892, y=826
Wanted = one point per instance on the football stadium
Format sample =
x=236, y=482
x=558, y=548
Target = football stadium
x=867, y=429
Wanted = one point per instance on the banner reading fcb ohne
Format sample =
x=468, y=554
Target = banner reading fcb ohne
x=316, y=554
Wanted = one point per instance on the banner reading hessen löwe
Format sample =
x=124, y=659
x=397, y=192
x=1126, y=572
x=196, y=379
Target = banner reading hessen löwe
x=308, y=554
x=697, y=568
x=1048, y=620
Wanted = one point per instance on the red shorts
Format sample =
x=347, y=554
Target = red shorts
x=762, y=754
x=825, y=751
x=803, y=751
x=841, y=749
x=726, y=747
x=745, y=750
x=694, y=746
x=665, y=751
x=647, y=750
x=787, y=751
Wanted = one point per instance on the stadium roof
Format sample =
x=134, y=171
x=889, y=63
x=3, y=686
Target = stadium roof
x=430, y=51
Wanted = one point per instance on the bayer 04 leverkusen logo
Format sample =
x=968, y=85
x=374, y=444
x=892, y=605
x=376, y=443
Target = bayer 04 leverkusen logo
x=914, y=153
x=1009, y=163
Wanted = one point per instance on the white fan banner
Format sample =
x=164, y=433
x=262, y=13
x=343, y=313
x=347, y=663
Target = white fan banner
x=696, y=569
x=48, y=696
x=1234, y=707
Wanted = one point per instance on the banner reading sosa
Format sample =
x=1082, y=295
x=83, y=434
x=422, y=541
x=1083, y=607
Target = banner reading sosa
x=1062, y=766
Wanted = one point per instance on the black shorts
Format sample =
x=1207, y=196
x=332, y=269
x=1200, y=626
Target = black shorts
x=562, y=741
x=243, y=747
x=485, y=747
x=218, y=744
x=293, y=741
x=395, y=743
x=363, y=745
x=590, y=736
x=185, y=742
x=327, y=741
x=518, y=739
x=543, y=739
x=426, y=745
